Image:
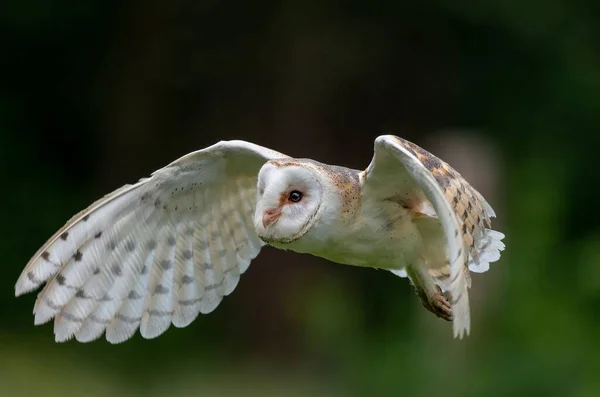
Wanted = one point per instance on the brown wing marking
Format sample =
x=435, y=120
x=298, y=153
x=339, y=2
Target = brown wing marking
x=463, y=198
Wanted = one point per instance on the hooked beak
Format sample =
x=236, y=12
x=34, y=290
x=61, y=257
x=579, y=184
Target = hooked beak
x=270, y=216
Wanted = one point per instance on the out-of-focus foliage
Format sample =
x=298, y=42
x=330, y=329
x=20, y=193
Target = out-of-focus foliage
x=96, y=94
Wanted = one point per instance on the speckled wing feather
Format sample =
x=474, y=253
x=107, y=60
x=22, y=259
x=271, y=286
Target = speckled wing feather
x=158, y=252
x=462, y=211
x=473, y=211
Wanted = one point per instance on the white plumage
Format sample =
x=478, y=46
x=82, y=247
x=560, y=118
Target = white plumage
x=171, y=246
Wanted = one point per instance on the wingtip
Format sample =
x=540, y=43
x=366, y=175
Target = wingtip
x=40, y=319
x=23, y=286
x=42, y=314
x=19, y=290
x=62, y=337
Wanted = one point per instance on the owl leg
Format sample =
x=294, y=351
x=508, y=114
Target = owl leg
x=429, y=292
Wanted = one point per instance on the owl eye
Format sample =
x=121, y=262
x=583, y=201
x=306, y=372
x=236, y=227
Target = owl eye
x=295, y=196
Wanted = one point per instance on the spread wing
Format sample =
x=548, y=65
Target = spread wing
x=401, y=167
x=158, y=252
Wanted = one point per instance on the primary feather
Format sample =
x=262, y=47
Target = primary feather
x=155, y=253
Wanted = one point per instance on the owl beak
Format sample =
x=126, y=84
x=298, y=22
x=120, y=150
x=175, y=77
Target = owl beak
x=270, y=216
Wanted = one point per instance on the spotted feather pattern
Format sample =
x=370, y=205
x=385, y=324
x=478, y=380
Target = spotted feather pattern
x=462, y=211
x=152, y=254
x=471, y=208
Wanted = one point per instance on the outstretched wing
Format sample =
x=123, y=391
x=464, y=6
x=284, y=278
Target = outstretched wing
x=158, y=252
x=462, y=211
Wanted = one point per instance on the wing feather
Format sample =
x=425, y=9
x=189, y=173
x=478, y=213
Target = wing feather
x=462, y=211
x=152, y=254
x=157, y=307
x=191, y=284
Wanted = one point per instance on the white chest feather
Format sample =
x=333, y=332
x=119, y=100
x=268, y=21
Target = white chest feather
x=382, y=237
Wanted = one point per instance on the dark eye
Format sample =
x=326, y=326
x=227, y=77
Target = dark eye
x=295, y=196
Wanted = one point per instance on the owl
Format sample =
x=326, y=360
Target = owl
x=171, y=246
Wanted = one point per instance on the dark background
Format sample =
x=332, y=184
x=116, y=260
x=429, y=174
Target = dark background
x=98, y=93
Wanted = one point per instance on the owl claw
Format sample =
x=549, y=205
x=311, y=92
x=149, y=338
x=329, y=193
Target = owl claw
x=437, y=304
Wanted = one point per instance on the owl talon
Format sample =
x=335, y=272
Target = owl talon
x=437, y=304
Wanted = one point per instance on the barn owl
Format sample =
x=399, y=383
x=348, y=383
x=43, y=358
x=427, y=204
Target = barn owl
x=171, y=246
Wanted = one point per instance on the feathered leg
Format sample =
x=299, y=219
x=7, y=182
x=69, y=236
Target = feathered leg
x=429, y=292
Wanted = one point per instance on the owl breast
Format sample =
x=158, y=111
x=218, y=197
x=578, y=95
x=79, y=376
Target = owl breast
x=378, y=238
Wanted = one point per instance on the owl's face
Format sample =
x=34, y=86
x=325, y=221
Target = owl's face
x=289, y=197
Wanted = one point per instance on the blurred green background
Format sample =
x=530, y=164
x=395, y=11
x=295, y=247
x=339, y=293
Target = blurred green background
x=99, y=93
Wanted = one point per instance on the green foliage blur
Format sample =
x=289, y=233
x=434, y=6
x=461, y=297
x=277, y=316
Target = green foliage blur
x=96, y=94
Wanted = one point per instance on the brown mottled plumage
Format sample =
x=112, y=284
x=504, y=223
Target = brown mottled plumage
x=466, y=201
x=171, y=246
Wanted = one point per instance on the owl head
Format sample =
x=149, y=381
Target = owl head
x=289, y=197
